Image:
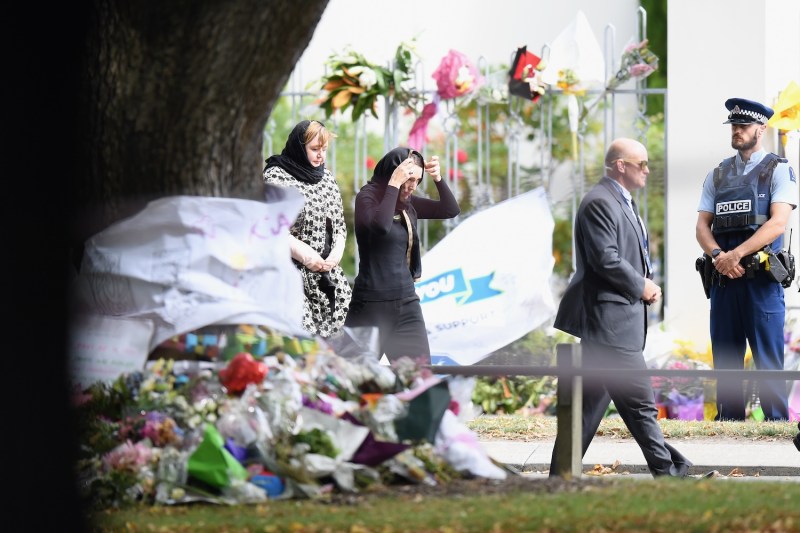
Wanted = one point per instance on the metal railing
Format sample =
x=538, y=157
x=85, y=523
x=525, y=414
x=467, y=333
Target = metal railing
x=569, y=392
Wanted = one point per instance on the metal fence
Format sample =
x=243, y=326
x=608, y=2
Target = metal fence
x=569, y=392
x=521, y=119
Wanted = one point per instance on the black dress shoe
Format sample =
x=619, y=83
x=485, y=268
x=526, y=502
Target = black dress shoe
x=711, y=474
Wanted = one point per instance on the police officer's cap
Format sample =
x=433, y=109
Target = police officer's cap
x=746, y=112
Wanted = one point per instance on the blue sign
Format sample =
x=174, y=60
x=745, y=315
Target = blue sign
x=453, y=283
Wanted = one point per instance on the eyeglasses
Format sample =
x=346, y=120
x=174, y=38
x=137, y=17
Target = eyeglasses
x=642, y=164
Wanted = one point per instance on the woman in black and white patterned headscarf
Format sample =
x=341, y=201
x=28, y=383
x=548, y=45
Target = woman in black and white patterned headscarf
x=319, y=233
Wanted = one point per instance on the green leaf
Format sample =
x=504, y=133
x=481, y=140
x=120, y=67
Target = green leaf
x=359, y=107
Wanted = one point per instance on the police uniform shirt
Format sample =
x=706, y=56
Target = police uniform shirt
x=782, y=189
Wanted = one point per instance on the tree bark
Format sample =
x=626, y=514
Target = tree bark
x=175, y=96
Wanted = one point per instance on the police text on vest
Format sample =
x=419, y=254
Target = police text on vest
x=736, y=206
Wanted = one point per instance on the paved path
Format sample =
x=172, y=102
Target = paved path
x=755, y=459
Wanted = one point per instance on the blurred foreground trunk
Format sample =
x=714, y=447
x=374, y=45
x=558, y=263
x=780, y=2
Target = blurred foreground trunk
x=174, y=98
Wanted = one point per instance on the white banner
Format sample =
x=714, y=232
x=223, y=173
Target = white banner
x=185, y=262
x=487, y=283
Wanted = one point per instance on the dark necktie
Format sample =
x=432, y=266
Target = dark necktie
x=644, y=235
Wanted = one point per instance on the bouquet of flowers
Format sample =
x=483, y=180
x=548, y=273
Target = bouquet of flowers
x=356, y=83
x=525, y=79
x=456, y=77
x=682, y=396
x=637, y=62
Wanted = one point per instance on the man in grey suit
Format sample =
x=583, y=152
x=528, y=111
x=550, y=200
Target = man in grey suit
x=605, y=305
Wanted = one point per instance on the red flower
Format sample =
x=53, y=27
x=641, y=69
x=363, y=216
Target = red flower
x=241, y=371
x=462, y=156
x=458, y=176
x=371, y=163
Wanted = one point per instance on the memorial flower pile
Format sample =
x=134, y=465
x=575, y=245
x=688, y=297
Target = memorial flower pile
x=297, y=422
x=682, y=397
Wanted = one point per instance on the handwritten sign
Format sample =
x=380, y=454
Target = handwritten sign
x=102, y=348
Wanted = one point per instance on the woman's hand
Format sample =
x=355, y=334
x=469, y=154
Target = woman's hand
x=402, y=173
x=315, y=263
x=328, y=265
x=433, y=169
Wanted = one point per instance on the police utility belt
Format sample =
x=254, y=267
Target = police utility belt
x=777, y=266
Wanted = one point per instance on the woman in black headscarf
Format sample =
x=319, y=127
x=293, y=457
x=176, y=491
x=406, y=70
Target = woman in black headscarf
x=386, y=214
x=319, y=233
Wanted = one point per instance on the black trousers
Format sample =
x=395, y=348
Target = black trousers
x=633, y=397
x=401, y=326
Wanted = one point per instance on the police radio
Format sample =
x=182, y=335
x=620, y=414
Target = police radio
x=786, y=260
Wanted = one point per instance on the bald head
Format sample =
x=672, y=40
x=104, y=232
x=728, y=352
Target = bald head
x=626, y=163
x=623, y=148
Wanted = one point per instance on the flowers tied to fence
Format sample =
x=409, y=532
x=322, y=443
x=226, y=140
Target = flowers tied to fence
x=356, y=83
x=457, y=78
x=525, y=79
x=637, y=63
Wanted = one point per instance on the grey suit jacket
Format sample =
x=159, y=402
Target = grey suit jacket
x=603, y=302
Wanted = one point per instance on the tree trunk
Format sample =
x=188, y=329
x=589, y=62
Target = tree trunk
x=175, y=96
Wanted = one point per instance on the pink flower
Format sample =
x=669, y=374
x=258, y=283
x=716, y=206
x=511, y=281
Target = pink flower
x=641, y=69
x=631, y=47
x=371, y=163
x=456, y=76
x=128, y=457
x=418, y=136
x=462, y=157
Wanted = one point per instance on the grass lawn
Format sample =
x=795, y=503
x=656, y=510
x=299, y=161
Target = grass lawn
x=517, y=505
x=519, y=427
x=667, y=505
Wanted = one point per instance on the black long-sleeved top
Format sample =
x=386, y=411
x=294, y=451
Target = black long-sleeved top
x=382, y=237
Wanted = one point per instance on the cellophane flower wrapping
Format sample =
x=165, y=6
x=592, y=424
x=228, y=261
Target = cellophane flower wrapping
x=637, y=62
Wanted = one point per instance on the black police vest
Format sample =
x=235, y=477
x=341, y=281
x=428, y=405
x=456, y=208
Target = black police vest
x=741, y=202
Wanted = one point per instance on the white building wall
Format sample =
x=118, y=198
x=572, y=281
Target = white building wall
x=717, y=49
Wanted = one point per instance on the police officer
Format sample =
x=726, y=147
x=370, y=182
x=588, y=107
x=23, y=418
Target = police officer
x=745, y=206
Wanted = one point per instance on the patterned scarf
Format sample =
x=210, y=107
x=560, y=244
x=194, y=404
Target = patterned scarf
x=294, y=160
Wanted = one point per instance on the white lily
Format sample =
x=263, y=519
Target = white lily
x=367, y=78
